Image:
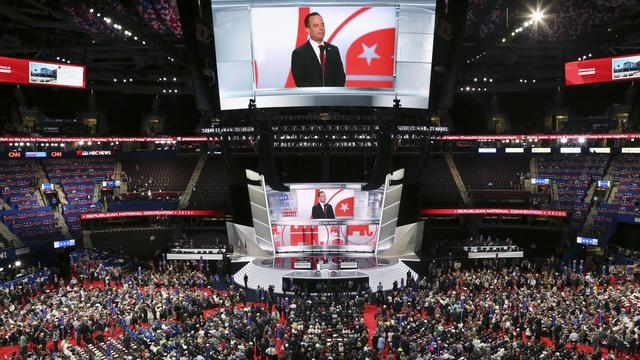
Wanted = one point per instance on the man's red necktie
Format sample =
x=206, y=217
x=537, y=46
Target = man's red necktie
x=323, y=63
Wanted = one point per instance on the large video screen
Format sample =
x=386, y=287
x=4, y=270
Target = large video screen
x=322, y=54
x=322, y=215
x=22, y=71
x=603, y=70
x=285, y=55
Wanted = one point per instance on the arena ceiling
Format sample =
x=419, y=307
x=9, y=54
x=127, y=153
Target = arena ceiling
x=511, y=41
x=147, y=46
x=126, y=45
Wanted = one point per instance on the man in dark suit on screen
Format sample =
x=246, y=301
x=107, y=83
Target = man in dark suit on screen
x=316, y=62
x=322, y=210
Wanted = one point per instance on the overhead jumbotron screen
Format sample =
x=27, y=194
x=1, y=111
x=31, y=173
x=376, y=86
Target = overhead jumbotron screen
x=602, y=70
x=285, y=54
x=32, y=72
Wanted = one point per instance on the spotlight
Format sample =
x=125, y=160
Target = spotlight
x=130, y=80
x=18, y=263
x=57, y=57
x=563, y=140
x=91, y=10
x=581, y=140
x=144, y=43
x=537, y=16
x=115, y=80
x=174, y=79
x=504, y=40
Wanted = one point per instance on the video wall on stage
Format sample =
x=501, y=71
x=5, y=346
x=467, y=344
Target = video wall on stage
x=324, y=215
x=284, y=54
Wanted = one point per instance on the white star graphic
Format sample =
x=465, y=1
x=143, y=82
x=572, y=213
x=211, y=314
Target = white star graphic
x=344, y=207
x=369, y=53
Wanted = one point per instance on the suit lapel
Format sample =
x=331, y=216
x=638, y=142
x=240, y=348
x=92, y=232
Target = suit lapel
x=313, y=55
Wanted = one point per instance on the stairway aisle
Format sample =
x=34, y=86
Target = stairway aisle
x=458, y=179
x=186, y=195
x=6, y=233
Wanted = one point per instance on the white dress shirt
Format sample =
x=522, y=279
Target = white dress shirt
x=324, y=208
x=316, y=49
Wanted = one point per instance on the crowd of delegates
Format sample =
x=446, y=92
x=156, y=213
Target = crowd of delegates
x=510, y=313
x=174, y=311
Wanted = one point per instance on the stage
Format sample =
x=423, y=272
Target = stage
x=317, y=234
x=327, y=269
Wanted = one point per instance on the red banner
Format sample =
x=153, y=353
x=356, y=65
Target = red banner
x=553, y=213
x=116, y=214
x=602, y=70
x=36, y=72
x=50, y=139
x=538, y=137
x=173, y=139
